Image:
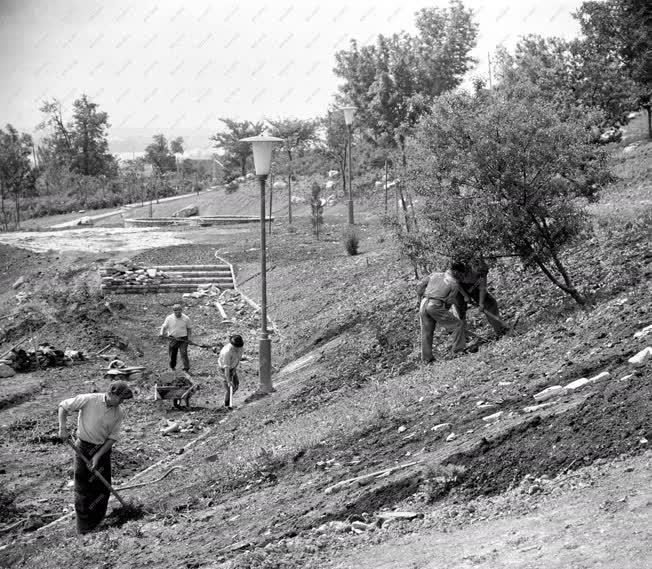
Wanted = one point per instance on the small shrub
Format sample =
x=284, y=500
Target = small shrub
x=231, y=187
x=351, y=241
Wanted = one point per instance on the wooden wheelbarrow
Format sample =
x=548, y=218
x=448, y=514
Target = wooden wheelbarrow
x=177, y=394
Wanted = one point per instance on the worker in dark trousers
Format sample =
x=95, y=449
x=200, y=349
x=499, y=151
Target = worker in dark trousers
x=473, y=282
x=178, y=330
x=98, y=428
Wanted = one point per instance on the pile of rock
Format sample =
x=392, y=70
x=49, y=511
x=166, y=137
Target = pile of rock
x=127, y=273
x=44, y=356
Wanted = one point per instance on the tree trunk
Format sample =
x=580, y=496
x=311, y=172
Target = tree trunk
x=2, y=206
x=571, y=291
x=289, y=187
x=385, y=186
x=17, y=199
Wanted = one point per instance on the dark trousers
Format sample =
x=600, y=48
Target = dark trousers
x=236, y=384
x=91, y=496
x=490, y=308
x=179, y=345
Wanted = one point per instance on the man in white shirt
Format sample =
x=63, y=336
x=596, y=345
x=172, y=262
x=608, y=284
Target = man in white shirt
x=98, y=427
x=438, y=292
x=228, y=360
x=178, y=331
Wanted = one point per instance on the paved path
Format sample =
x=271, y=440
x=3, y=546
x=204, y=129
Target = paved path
x=118, y=211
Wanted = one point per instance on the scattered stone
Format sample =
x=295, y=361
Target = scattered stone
x=573, y=385
x=626, y=377
x=19, y=282
x=549, y=392
x=494, y=417
x=644, y=332
x=188, y=211
x=640, y=358
x=402, y=429
x=451, y=437
x=599, y=377
x=6, y=371
x=533, y=408
x=385, y=517
x=358, y=526
x=441, y=427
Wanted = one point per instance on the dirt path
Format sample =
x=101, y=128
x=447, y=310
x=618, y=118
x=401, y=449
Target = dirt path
x=603, y=521
x=104, y=239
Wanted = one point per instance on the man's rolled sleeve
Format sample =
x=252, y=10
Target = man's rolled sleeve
x=74, y=403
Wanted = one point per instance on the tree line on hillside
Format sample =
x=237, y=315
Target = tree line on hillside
x=499, y=170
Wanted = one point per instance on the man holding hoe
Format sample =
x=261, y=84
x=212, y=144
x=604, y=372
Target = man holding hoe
x=228, y=361
x=178, y=330
x=98, y=427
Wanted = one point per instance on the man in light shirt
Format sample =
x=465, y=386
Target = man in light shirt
x=438, y=292
x=98, y=427
x=178, y=331
x=228, y=360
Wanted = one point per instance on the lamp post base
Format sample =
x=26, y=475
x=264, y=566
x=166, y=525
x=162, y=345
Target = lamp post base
x=265, y=357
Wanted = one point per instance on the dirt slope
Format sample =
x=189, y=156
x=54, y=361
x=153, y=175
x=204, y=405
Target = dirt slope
x=253, y=492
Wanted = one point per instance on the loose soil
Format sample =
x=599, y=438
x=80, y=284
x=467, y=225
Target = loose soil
x=525, y=490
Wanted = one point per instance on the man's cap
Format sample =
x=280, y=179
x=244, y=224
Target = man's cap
x=176, y=307
x=121, y=389
x=237, y=340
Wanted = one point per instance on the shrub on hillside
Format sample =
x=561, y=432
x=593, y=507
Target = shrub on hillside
x=503, y=172
x=231, y=187
x=351, y=240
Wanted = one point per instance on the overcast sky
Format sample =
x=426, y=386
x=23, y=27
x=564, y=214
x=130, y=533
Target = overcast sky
x=177, y=66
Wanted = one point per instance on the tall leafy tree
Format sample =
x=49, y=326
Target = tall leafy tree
x=571, y=74
x=80, y=144
x=505, y=172
x=15, y=169
x=332, y=144
x=620, y=30
x=393, y=81
x=297, y=135
x=236, y=153
x=159, y=155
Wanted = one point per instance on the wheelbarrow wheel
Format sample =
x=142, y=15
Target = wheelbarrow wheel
x=176, y=403
x=187, y=400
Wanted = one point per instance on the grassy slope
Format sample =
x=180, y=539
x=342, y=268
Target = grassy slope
x=358, y=313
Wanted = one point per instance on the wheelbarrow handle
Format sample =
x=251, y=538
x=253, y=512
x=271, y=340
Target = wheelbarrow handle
x=96, y=472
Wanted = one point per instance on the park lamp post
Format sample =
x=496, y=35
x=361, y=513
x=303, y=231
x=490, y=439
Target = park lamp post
x=348, y=119
x=262, y=149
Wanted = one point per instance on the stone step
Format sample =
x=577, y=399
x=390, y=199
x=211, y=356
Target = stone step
x=184, y=280
x=186, y=268
x=151, y=289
